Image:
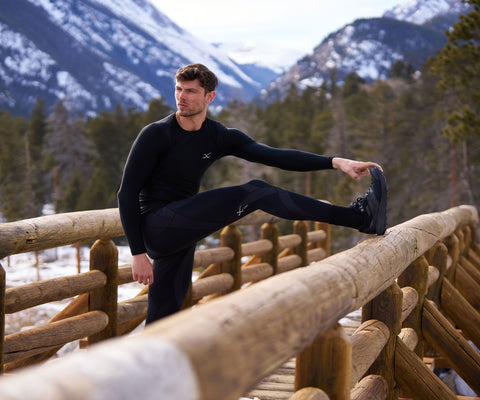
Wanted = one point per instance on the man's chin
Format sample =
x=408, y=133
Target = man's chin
x=186, y=113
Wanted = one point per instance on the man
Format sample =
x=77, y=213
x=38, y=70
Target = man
x=164, y=216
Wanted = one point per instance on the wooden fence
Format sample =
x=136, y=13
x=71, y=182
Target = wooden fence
x=419, y=286
x=95, y=314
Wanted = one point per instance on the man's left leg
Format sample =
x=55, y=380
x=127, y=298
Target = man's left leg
x=172, y=276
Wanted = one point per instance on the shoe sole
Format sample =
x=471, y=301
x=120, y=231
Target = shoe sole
x=381, y=223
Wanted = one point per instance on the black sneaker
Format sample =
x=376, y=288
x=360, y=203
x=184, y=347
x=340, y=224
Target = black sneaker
x=373, y=204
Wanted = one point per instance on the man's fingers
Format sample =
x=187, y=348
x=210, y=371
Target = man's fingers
x=145, y=280
x=148, y=281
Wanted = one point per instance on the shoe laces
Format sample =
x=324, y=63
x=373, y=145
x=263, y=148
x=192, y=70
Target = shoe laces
x=361, y=202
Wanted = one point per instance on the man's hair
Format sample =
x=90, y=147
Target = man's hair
x=190, y=72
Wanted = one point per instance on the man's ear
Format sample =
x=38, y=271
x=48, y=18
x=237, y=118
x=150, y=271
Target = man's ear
x=210, y=96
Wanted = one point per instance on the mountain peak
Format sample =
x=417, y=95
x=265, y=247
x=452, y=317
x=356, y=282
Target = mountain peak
x=100, y=53
x=420, y=11
x=411, y=32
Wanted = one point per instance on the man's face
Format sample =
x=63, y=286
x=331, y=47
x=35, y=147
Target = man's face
x=191, y=98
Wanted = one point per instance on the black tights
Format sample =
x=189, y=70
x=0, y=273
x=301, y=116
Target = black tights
x=172, y=232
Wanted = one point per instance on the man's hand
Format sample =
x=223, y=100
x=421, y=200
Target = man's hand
x=142, y=269
x=356, y=169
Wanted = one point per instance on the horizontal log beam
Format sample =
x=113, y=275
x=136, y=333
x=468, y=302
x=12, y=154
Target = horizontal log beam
x=316, y=255
x=445, y=339
x=240, y=340
x=316, y=236
x=467, y=286
x=409, y=337
x=57, y=333
x=36, y=293
x=288, y=241
x=471, y=269
x=77, y=306
x=125, y=274
x=57, y=230
x=372, y=387
x=367, y=342
x=288, y=263
x=210, y=285
x=459, y=310
x=415, y=378
x=309, y=394
x=211, y=256
x=473, y=256
x=256, y=272
x=257, y=247
x=132, y=309
x=410, y=300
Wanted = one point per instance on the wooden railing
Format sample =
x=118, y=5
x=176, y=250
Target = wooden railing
x=94, y=313
x=419, y=287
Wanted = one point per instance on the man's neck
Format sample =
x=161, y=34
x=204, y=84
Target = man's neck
x=193, y=123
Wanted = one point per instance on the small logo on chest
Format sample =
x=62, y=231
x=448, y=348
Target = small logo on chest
x=206, y=155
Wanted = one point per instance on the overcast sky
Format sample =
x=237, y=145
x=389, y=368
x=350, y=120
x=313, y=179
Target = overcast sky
x=297, y=24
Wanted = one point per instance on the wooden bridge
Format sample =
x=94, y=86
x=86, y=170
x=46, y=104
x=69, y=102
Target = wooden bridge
x=275, y=335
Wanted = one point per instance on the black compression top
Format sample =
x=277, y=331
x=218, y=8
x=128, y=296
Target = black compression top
x=166, y=163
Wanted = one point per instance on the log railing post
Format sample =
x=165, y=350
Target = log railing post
x=387, y=308
x=231, y=237
x=327, y=364
x=2, y=314
x=416, y=276
x=104, y=257
x=467, y=238
x=453, y=245
x=325, y=244
x=461, y=239
x=300, y=228
x=269, y=231
x=438, y=259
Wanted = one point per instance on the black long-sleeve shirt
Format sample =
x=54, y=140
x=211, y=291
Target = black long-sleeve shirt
x=167, y=163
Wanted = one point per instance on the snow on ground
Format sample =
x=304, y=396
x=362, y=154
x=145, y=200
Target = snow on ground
x=21, y=269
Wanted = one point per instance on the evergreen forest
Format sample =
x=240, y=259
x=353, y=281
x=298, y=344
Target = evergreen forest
x=423, y=127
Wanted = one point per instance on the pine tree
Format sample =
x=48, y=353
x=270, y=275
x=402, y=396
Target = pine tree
x=35, y=137
x=157, y=109
x=458, y=67
x=66, y=150
x=402, y=70
x=14, y=198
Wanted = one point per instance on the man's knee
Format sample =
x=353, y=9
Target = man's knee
x=258, y=183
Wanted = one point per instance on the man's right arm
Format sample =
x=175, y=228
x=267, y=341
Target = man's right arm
x=139, y=166
x=142, y=269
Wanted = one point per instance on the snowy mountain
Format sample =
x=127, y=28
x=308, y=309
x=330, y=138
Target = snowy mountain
x=261, y=54
x=412, y=32
x=98, y=53
x=421, y=11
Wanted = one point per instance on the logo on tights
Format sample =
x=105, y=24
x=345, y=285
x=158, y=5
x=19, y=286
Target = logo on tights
x=241, y=209
x=207, y=155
